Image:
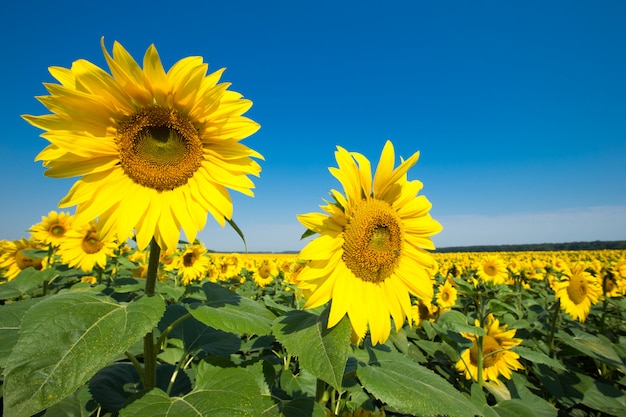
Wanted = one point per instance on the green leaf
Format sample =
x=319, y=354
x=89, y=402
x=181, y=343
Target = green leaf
x=537, y=357
x=126, y=285
x=597, y=347
x=302, y=385
x=113, y=385
x=64, y=340
x=25, y=282
x=321, y=351
x=10, y=323
x=523, y=402
x=409, y=387
x=456, y=322
x=219, y=392
x=480, y=400
x=606, y=398
x=196, y=335
x=302, y=406
x=228, y=311
x=79, y=404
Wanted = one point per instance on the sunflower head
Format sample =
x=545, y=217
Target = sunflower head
x=154, y=151
x=52, y=228
x=371, y=253
x=498, y=358
x=578, y=291
x=493, y=269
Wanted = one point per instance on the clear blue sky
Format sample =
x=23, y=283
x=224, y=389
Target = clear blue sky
x=518, y=107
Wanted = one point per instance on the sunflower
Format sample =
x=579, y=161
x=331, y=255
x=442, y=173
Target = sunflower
x=370, y=254
x=264, y=272
x=86, y=247
x=13, y=259
x=422, y=310
x=498, y=358
x=192, y=263
x=51, y=230
x=446, y=295
x=578, y=291
x=493, y=269
x=155, y=151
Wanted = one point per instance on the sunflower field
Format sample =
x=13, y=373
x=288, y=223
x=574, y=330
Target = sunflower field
x=119, y=310
x=232, y=338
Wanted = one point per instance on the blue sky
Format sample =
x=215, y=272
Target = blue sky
x=518, y=107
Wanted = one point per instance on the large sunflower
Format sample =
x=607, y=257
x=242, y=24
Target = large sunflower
x=370, y=256
x=498, y=358
x=155, y=150
x=578, y=291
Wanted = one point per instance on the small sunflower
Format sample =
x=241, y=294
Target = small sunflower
x=192, y=263
x=422, y=310
x=52, y=229
x=493, y=269
x=446, y=295
x=86, y=247
x=578, y=291
x=13, y=259
x=370, y=255
x=263, y=273
x=498, y=358
x=155, y=151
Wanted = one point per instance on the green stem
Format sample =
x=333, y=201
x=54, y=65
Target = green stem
x=479, y=360
x=149, y=351
x=605, y=280
x=320, y=392
x=555, y=315
x=136, y=364
x=171, y=327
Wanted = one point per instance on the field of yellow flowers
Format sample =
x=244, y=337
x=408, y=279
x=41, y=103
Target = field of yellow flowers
x=509, y=333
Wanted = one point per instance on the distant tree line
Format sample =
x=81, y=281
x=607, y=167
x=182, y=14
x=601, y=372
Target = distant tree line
x=594, y=245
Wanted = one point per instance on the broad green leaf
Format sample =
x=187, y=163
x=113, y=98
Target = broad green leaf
x=496, y=305
x=321, y=351
x=113, y=385
x=302, y=385
x=537, y=357
x=219, y=392
x=10, y=323
x=25, y=282
x=597, y=347
x=127, y=284
x=67, y=338
x=456, y=321
x=606, y=398
x=197, y=335
x=523, y=402
x=411, y=388
x=228, y=311
x=480, y=401
x=79, y=404
x=302, y=406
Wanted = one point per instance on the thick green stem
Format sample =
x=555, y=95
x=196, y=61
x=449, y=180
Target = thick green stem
x=149, y=351
x=555, y=315
x=320, y=392
x=479, y=360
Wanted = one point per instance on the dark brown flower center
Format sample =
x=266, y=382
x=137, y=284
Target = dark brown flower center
x=373, y=241
x=159, y=148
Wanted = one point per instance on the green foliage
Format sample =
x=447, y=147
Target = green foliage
x=236, y=348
